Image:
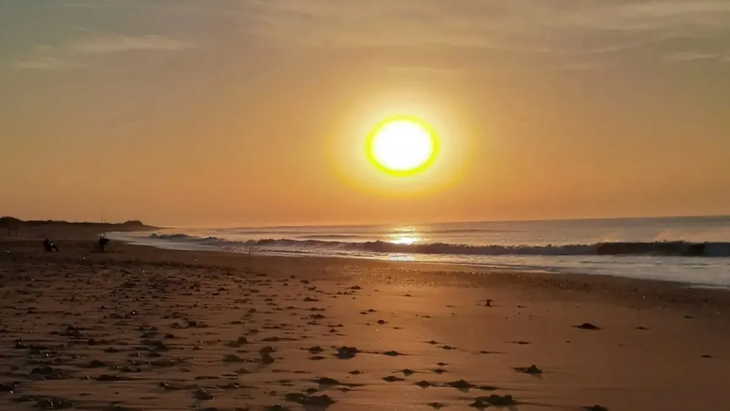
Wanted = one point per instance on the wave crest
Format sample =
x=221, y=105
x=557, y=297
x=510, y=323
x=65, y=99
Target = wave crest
x=656, y=248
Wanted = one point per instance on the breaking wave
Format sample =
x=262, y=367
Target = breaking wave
x=655, y=248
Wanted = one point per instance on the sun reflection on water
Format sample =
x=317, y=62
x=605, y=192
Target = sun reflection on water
x=401, y=257
x=405, y=235
x=404, y=239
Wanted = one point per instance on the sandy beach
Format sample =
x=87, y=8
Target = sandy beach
x=139, y=328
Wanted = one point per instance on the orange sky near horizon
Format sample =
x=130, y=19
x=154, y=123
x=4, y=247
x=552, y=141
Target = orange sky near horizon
x=245, y=114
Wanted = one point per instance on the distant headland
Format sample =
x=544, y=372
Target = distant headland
x=130, y=225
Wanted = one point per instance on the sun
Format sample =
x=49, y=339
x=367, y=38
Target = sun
x=402, y=146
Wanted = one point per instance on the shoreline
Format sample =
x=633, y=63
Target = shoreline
x=635, y=292
x=623, y=260
x=446, y=264
x=141, y=328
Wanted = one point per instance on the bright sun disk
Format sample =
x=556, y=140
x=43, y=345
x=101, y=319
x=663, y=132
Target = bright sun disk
x=402, y=146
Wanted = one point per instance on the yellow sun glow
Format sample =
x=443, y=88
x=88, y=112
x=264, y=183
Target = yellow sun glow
x=402, y=146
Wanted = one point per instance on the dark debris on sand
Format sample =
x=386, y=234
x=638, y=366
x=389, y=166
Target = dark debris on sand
x=587, y=326
x=315, y=349
x=493, y=400
x=327, y=381
x=54, y=404
x=346, y=353
x=321, y=401
x=392, y=353
x=460, y=385
x=533, y=370
x=202, y=395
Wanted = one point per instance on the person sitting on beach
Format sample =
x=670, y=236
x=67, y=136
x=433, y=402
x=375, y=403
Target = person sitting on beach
x=103, y=243
x=48, y=246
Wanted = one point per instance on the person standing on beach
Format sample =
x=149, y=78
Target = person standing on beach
x=48, y=246
x=103, y=243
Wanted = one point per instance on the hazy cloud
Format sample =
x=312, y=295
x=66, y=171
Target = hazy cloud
x=47, y=57
x=116, y=44
x=557, y=27
x=579, y=33
x=43, y=63
x=689, y=56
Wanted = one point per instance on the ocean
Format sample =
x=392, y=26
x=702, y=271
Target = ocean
x=692, y=250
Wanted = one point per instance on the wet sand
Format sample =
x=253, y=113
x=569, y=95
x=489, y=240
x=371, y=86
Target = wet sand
x=145, y=329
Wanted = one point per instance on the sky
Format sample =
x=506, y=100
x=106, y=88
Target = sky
x=253, y=112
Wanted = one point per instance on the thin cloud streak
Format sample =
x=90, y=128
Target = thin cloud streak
x=691, y=56
x=48, y=57
x=550, y=28
x=579, y=31
x=44, y=63
x=117, y=44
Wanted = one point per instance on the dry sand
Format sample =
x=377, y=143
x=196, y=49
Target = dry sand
x=145, y=329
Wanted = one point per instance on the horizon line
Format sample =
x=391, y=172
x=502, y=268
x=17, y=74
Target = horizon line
x=329, y=225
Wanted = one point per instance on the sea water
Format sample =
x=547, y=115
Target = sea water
x=693, y=250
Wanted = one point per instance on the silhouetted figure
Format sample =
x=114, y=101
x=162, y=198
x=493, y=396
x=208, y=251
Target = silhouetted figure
x=48, y=246
x=103, y=244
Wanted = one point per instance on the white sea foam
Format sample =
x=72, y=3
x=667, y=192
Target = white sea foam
x=691, y=250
